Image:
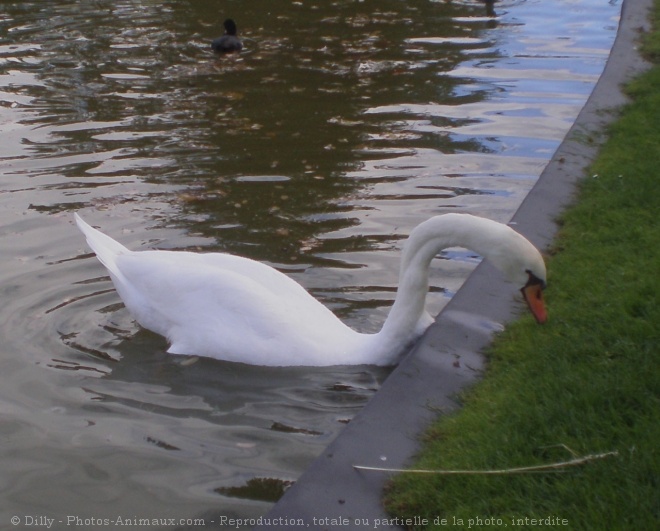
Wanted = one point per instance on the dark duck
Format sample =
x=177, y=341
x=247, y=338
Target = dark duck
x=229, y=42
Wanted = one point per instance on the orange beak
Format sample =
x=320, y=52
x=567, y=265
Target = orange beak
x=533, y=293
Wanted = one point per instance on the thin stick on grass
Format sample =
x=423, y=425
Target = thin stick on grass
x=551, y=467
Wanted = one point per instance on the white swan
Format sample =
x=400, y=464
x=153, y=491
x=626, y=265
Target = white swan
x=236, y=309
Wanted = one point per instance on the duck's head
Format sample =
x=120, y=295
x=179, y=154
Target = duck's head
x=230, y=26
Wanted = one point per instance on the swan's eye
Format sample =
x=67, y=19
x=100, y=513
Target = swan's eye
x=533, y=280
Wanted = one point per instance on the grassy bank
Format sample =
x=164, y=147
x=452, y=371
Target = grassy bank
x=588, y=380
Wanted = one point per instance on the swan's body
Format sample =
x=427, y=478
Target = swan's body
x=229, y=42
x=236, y=309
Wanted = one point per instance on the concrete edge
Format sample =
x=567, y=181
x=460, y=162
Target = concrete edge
x=331, y=494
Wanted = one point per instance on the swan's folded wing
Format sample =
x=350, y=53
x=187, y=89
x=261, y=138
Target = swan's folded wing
x=222, y=306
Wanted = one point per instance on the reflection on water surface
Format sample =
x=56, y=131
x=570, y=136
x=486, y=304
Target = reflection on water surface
x=340, y=127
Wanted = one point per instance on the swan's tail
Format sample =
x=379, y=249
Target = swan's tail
x=105, y=247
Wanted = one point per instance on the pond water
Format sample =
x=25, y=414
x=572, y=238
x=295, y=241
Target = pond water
x=341, y=126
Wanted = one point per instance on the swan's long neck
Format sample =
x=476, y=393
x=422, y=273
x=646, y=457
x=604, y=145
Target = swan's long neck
x=408, y=317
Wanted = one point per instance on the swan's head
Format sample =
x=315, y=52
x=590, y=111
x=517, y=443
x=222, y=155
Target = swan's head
x=509, y=251
x=533, y=293
x=524, y=265
x=230, y=27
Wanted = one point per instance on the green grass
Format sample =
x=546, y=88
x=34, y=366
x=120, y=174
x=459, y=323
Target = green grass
x=588, y=379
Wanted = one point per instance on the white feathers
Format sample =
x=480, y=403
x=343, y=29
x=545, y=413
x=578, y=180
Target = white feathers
x=233, y=308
